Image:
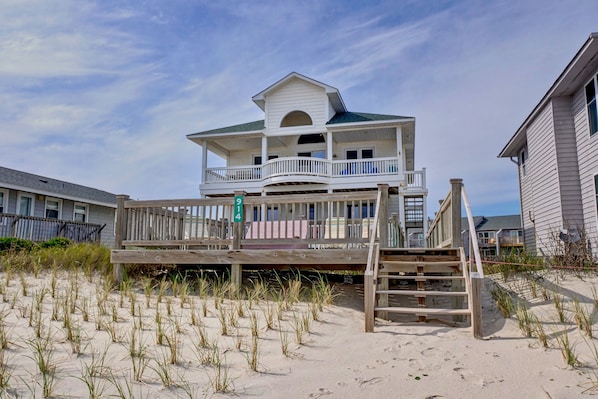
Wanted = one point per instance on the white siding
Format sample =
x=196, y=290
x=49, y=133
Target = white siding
x=566, y=151
x=295, y=95
x=540, y=195
x=587, y=155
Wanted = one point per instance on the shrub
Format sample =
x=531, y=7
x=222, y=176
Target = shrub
x=56, y=242
x=15, y=244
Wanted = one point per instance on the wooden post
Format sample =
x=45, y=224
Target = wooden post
x=236, y=269
x=456, y=239
x=476, y=305
x=383, y=235
x=368, y=301
x=118, y=269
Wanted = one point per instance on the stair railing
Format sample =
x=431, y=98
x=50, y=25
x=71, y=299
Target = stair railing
x=371, y=270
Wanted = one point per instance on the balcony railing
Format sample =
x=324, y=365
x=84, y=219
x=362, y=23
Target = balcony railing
x=314, y=167
x=511, y=241
x=42, y=229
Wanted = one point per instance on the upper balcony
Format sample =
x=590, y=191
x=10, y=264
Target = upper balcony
x=341, y=174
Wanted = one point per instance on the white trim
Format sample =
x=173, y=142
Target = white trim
x=26, y=195
x=5, y=193
x=86, y=206
x=59, y=206
x=350, y=125
x=595, y=199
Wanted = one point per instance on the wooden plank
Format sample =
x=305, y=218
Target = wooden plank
x=420, y=263
x=422, y=278
x=165, y=243
x=244, y=256
x=368, y=297
x=418, y=293
x=391, y=268
x=426, y=311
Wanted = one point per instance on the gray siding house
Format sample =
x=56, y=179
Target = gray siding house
x=497, y=235
x=556, y=149
x=39, y=208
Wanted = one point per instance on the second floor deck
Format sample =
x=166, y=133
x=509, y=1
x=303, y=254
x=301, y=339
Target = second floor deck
x=336, y=175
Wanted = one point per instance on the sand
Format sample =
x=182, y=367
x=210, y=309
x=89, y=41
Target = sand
x=336, y=358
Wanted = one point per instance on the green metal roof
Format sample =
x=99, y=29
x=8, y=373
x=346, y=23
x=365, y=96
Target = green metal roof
x=243, y=127
x=353, y=117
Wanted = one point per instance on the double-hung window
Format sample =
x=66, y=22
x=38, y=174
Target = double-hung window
x=3, y=201
x=591, y=89
x=522, y=161
x=53, y=208
x=80, y=213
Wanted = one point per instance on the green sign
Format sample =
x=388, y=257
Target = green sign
x=238, y=211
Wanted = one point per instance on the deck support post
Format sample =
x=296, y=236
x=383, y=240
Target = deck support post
x=476, y=305
x=383, y=235
x=368, y=296
x=457, y=241
x=236, y=269
x=118, y=269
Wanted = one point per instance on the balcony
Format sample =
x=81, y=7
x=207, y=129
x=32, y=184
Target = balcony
x=290, y=170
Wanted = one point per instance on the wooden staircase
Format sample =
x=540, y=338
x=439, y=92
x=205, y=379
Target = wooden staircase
x=422, y=282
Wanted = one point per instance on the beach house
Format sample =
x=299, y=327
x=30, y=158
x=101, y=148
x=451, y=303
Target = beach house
x=556, y=150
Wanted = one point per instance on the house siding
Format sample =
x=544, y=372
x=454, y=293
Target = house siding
x=587, y=148
x=566, y=152
x=300, y=95
x=540, y=187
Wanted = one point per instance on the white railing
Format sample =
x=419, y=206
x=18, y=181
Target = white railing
x=415, y=178
x=305, y=166
x=290, y=166
x=365, y=167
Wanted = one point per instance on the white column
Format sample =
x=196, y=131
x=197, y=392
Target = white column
x=400, y=152
x=425, y=225
x=264, y=149
x=204, y=161
x=329, y=146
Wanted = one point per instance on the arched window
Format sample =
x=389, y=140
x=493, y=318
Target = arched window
x=296, y=118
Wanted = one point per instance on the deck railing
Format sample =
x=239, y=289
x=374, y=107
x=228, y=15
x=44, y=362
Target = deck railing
x=445, y=231
x=341, y=220
x=322, y=168
x=39, y=229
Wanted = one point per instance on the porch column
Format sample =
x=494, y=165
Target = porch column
x=264, y=149
x=400, y=154
x=204, y=162
x=329, y=153
x=425, y=221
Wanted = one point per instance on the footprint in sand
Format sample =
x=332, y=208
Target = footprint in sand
x=321, y=392
x=415, y=364
x=469, y=376
x=435, y=397
x=430, y=351
x=364, y=383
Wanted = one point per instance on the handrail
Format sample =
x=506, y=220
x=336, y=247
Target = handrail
x=373, y=235
x=473, y=239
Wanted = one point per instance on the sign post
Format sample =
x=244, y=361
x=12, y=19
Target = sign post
x=238, y=209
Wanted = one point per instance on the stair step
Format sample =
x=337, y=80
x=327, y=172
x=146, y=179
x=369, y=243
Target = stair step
x=419, y=264
x=422, y=293
x=409, y=267
x=425, y=311
x=421, y=278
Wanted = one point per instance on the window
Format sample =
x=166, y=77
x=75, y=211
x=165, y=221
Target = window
x=522, y=161
x=257, y=160
x=3, y=201
x=591, y=105
x=486, y=237
x=25, y=205
x=367, y=211
x=296, y=118
x=80, y=213
x=366, y=153
x=53, y=210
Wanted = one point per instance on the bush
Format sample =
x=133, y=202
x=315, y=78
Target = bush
x=56, y=242
x=15, y=244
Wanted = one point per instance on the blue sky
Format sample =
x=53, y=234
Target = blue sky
x=103, y=93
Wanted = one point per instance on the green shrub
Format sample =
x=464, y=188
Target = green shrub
x=56, y=242
x=15, y=244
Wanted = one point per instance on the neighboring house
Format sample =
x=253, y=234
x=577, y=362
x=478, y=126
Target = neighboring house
x=39, y=208
x=497, y=235
x=308, y=142
x=556, y=149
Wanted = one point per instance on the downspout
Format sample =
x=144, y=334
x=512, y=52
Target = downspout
x=497, y=238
